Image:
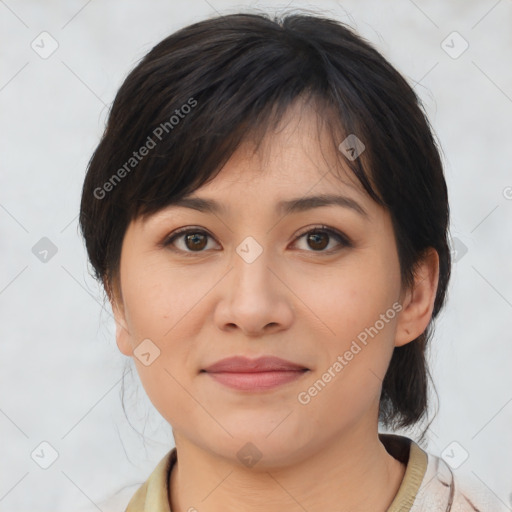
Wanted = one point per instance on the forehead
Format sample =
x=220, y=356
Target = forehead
x=290, y=168
x=300, y=152
x=271, y=191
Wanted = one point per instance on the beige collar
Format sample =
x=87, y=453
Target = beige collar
x=152, y=495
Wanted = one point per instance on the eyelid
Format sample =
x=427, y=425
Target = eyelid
x=169, y=239
x=343, y=239
x=333, y=232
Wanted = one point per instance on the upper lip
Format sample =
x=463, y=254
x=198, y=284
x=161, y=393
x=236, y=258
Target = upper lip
x=239, y=364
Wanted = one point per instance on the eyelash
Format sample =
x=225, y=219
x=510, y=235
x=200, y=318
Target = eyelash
x=344, y=241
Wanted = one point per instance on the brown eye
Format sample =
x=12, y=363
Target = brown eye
x=191, y=240
x=195, y=241
x=318, y=241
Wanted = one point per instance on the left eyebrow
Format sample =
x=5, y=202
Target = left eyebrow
x=307, y=203
x=284, y=207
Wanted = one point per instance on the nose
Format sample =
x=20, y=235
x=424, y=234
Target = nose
x=255, y=298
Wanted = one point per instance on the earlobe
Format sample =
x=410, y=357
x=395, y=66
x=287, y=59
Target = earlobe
x=122, y=332
x=419, y=301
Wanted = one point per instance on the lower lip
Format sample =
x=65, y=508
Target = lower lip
x=257, y=381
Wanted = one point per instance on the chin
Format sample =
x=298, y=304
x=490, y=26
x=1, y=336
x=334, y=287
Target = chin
x=261, y=448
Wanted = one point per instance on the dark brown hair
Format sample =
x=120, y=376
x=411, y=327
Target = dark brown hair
x=209, y=86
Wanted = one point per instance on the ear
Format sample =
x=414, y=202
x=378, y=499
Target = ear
x=122, y=332
x=418, y=302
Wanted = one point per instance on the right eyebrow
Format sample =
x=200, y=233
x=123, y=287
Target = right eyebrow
x=284, y=207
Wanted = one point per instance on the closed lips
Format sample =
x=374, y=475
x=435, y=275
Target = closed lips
x=241, y=364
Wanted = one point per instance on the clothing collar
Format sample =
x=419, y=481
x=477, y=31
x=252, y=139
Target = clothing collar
x=153, y=494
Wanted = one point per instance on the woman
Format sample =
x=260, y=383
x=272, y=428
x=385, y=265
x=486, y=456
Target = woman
x=268, y=214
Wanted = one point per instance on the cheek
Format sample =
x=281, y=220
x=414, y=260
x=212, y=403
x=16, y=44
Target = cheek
x=351, y=296
x=164, y=308
x=355, y=305
x=164, y=304
x=162, y=299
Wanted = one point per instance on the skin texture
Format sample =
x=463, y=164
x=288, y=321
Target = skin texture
x=295, y=301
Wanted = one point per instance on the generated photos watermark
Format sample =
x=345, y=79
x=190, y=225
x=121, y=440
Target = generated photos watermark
x=304, y=397
x=151, y=142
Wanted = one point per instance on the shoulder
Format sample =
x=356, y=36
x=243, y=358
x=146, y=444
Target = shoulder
x=430, y=484
x=441, y=491
x=153, y=494
x=118, y=501
x=150, y=495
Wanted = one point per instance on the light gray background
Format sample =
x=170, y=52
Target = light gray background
x=61, y=372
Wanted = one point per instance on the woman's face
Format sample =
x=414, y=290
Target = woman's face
x=253, y=282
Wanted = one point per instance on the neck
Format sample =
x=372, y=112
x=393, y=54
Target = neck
x=353, y=473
